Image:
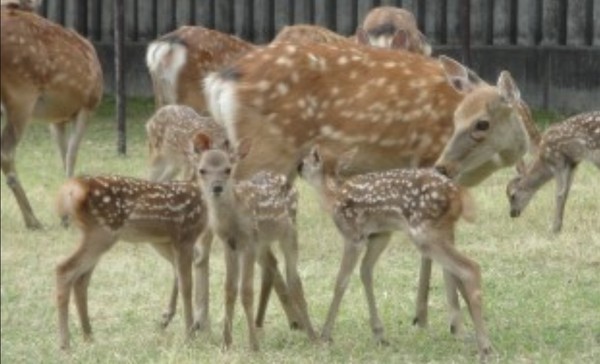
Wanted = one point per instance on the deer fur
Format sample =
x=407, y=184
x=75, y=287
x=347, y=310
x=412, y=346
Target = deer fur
x=303, y=33
x=367, y=208
x=47, y=72
x=170, y=216
x=562, y=148
x=248, y=217
x=179, y=61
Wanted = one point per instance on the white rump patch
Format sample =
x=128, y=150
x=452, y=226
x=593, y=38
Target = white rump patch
x=165, y=60
x=222, y=103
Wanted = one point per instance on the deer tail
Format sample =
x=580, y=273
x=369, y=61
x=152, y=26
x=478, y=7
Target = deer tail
x=165, y=59
x=71, y=199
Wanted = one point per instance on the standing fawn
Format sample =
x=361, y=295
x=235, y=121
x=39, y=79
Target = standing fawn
x=170, y=216
x=47, y=72
x=248, y=217
x=367, y=208
x=392, y=27
x=179, y=61
x=171, y=132
x=563, y=146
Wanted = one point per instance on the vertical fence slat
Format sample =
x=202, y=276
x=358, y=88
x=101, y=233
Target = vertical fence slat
x=164, y=19
x=347, y=17
x=501, y=22
x=550, y=22
x=325, y=13
x=526, y=23
x=454, y=21
x=224, y=16
x=243, y=23
x=130, y=20
x=283, y=13
x=576, y=22
x=70, y=14
x=303, y=12
x=263, y=21
x=479, y=23
x=146, y=28
x=435, y=21
x=183, y=13
x=596, y=23
x=205, y=13
x=107, y=21
x=363, y=7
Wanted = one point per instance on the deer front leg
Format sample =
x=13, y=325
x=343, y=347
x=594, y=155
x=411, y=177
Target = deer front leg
x=75, y=140
x=80, y=289
x=375, y=247
x=455, y=316
x=564, y=178
x=166, y=252
x=58, y=131
x=423, y=293
x=231, y=288
x=248, y=260
x=352, y=251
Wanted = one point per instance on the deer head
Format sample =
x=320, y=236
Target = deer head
x=489, y=132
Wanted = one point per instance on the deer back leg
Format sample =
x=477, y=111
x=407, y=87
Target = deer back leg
x=202, y=287
x=375, y=246
x=166, y=252
x=79, y=127
x=564, y=178
x=183, y=252
x=59, y=133
x=423, y=293
x=247, y=262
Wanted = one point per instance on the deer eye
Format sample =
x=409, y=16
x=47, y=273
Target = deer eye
x=482, y=125
x=203, y=171
x=228, y=171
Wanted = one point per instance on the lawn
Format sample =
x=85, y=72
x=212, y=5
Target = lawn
x=541, y=292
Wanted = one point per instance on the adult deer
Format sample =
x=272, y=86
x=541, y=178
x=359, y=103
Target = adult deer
x=367, y=208
x=392, y=27
x=47, y=72
x=563, y=146
x=172, y=133
x=179, y=61
x=397, y=109
x=248, y=217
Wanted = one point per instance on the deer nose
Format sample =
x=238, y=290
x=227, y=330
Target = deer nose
x=514, y=213
x=217, y=190
x=442, y=170
x=300, y=166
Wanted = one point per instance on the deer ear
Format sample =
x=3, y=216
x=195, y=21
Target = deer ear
x=508, y=88
x=425, y=46
x=401, y=40
x=361, y=36
x=459, y=77
x=200, y=143
x=243, y=148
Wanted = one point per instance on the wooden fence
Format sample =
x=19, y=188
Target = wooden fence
x=532, y=38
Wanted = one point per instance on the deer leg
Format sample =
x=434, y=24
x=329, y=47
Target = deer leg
x=423, y=293
x=294, y=283
x=76, y=270
x=455, y=316
x=58, y=131
x=17, y=117
x=183, y=261
x=272, y=278
x=564, y=178
x=166, y=252
x=75, y=140
x=201, y=267
x=231, y=288
x=375, y=246
x=468, y=273
x=352, y=251
x=247, y=262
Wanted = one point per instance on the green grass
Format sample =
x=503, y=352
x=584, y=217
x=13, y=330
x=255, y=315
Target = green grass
x=542, y=293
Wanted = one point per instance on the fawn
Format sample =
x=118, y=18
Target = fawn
x=367, y=208
x=563, y=146
x=248, y=216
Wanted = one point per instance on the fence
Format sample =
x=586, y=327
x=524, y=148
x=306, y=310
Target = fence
x=552, y=47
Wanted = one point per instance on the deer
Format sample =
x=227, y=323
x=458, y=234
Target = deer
x=392, y=27
x=368, y=208
x=47, y=72
x=300, y=33
x=172, y=132
x=248, y=216
x=395, y=107
x=178, y=62
x=170, y=216
x=27, y=5
x=563, y=147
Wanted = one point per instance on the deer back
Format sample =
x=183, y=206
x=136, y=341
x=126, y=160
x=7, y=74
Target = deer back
x=302, y=33
x=39, y=57
x=134, y=209
x=178, y=61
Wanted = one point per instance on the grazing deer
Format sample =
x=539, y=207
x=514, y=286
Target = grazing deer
x=301, y=33
x=367, y=208
x=47, y=72
x=247, y=217
x=171, y=132
x=171, y=216
x=563, y=146
x=179, y=61
x=392, y=27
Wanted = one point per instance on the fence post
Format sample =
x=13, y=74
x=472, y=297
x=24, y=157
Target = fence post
x=466, y=36
x=119, y=74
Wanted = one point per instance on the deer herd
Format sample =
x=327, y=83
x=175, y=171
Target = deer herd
x=390, y=137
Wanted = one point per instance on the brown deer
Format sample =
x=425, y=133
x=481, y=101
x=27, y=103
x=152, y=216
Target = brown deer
x=171, y=216
x=248, y=217
x=392, y=27
x=396, y=108
x=563, y=146
x=367, y=208
x=178, y=61
x=47, y=72
x=171, y=132
x=28, y=5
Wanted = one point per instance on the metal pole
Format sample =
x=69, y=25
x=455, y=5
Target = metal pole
x=466, y=36
x=119, y=77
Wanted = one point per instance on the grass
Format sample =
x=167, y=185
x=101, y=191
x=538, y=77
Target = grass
x=542, y=292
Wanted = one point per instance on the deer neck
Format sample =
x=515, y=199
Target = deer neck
x=224, y=212
x=327, y=187
x=536, y=175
